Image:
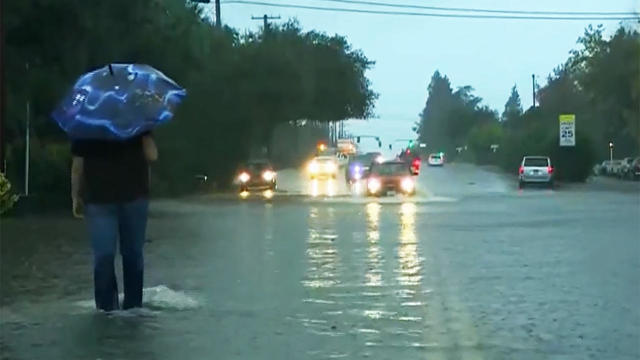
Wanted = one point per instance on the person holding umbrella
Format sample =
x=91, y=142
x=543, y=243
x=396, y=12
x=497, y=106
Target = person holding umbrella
x=109, y=116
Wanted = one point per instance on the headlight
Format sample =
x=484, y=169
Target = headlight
x=268, y=175
x=244, y=177
x=379, y=159
x=407, y=185
x=373, y=185
x=313, y=167
x=357, y=172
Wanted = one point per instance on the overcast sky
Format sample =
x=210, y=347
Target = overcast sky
x=489, y=55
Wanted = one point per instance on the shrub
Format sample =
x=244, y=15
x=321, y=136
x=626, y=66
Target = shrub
x=7, y=196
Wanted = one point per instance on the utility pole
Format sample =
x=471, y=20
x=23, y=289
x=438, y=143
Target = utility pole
x=27, y=141
x=533, y=87
x=218, y=21
x=266, y=19
x=3, y=162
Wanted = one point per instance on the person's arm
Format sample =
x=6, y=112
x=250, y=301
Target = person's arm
x=149, y=148
x=77, y=172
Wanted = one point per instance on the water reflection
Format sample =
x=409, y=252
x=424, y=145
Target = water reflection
x=322, y=253
x=374, y=258
x=409, y=261
x=326, y=187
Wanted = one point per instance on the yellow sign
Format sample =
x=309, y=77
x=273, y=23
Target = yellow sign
x=567, y=129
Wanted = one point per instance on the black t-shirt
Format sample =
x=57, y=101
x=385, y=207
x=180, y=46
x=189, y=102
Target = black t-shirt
x=114, y=171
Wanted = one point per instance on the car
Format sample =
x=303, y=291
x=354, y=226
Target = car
x=414, y=166
x=613, y=167
x=435, y=160
x=625, y=167
x=600, y=169
x=535, y=169
x=390, y=176
x=359, y=166
x=633, y=172
x=257, y=175
x=323, y=167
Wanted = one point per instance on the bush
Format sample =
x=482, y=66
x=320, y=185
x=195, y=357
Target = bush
x=7, y=196
x=573, y=164
x=49, y=173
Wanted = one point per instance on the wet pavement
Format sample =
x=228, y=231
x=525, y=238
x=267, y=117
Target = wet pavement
x=469, y=268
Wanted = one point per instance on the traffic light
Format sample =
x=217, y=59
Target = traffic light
x=379, y=143
x=358, y=139
x=390, y=147
x=410, y=143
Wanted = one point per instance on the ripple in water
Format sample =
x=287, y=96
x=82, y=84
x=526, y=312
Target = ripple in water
x=158, y=297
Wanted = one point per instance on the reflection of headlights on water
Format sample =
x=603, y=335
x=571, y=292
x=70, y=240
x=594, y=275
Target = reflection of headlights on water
x=313, y=167
x=244, y=177
x=244, y=194
x=268, y=175
x=268, y=194
x=373, y=185
x=407, y=185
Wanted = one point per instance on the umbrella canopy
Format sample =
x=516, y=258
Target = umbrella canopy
x=117, y=102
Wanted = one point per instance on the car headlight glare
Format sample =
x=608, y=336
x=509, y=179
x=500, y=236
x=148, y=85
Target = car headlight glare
x=313, y=167
x=268, y=175
x=374, y=185
x=244, y=177
x=407, y=185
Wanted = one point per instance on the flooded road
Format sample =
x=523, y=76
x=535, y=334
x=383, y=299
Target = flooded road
x=470, y=268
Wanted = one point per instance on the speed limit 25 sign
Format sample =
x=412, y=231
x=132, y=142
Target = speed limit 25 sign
x=567, y=130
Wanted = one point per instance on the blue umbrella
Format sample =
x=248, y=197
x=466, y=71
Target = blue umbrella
x=117, y=102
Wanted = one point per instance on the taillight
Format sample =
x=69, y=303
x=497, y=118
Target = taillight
x=549, y=169
x=521, y=170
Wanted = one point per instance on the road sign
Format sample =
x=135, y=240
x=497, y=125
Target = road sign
x=567, y=130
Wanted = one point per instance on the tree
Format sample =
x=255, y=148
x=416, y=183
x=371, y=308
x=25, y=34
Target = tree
x=512, y=108
x=434, y=116
x=240, y=87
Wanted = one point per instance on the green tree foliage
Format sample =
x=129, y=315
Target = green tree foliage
x=599, y=83
x=512, y=108
x=7, y=196
x=450, y=116
x=240, y=87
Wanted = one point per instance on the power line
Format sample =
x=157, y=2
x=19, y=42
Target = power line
x=409, y=13
x=491, y=11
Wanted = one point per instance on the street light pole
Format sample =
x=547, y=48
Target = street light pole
x=27, y=143
x=611, y=150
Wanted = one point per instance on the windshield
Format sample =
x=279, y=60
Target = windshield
x=257, y=167
x=390, y=169
x=437, y=193
x=536, y=162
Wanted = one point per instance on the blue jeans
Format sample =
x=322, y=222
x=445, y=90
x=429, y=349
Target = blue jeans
x=107, y=223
